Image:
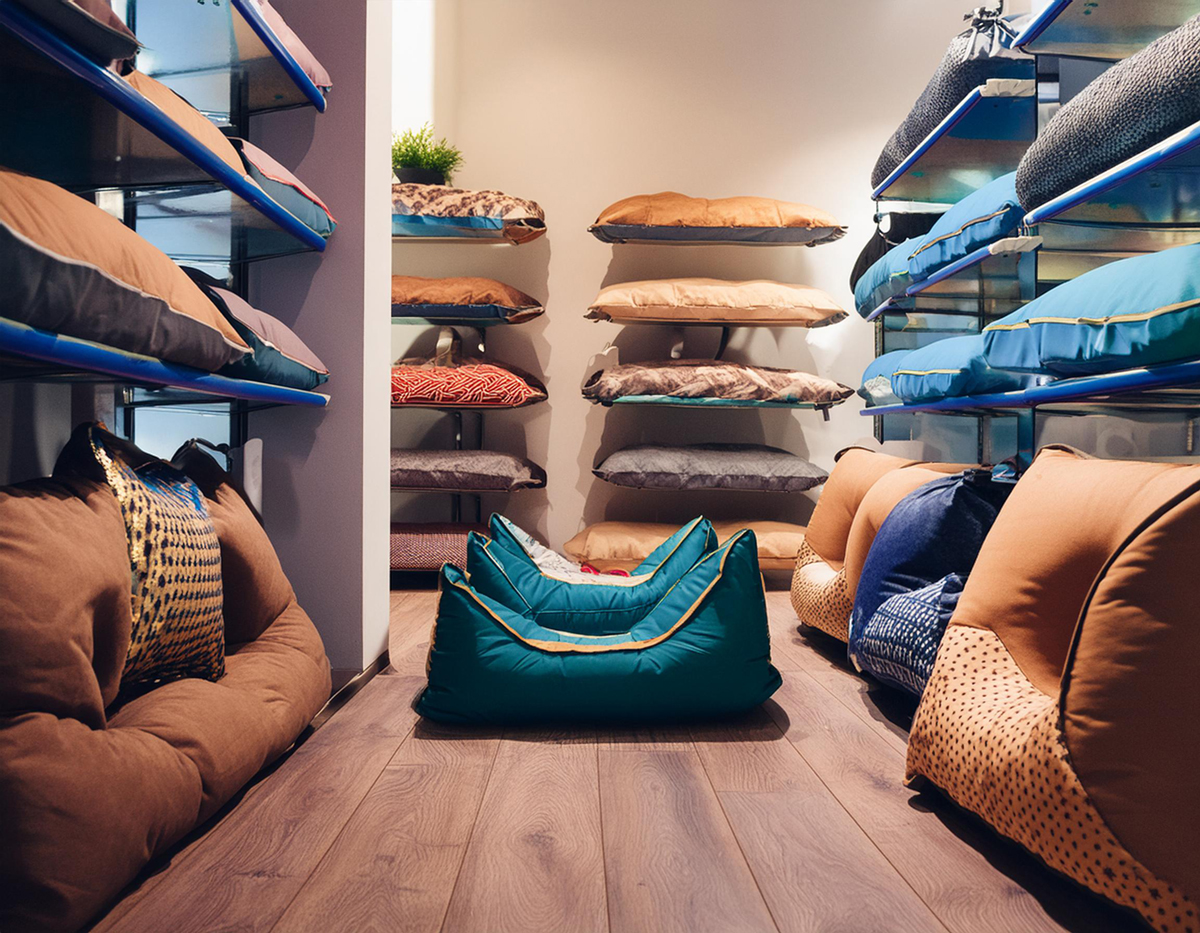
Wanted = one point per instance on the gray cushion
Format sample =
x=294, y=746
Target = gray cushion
x=750, y=467
x=469, y=470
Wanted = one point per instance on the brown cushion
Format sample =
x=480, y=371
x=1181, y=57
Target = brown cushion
x=65, y=613
x=173, y=555
x=462, y=292
x=714, y=379
x=256, y=591
x=474, y=470
x=69, y=267
x=624, y=545
x=713, y=301
x=426, y=546
x=90, y=25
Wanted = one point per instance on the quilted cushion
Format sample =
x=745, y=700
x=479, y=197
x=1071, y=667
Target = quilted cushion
x=441, y=211
x=670, y=216
x=714, y=301
x=1134, y=312
x=953, y=368
x=462, y=298
x=474, y=470
x=1133, y=105
x=752, y=467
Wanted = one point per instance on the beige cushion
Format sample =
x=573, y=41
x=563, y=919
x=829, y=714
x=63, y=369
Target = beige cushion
x=713, y=301
x=624, y=545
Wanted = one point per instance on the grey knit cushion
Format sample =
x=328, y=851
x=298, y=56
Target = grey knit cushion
x=750, y=467
x=1133, y=105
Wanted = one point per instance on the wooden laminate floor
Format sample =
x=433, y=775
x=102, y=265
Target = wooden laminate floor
x=793, y=818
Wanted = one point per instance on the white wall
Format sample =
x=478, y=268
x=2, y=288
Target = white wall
x=577, y=104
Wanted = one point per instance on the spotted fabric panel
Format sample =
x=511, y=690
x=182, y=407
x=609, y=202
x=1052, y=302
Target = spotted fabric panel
x=819, y=594
x=991, y=740
x=175, y=563
x=472, y=384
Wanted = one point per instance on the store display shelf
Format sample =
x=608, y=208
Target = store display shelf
x=713, y=403
x=452, y=408
x=34, y=355
x=981, y=139
x=106, y=135
x=453, y=491
x=220, y=56
x=1102, y=30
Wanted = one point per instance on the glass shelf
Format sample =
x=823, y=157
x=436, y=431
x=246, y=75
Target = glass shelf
x=105, y=135
x=983, y=138
x=33, y=355
x=722, y=404
x=1103, y=29
x=220, y=57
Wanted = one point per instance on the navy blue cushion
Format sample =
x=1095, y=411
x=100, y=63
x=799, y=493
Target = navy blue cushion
x=952, y=368
x=980, y=219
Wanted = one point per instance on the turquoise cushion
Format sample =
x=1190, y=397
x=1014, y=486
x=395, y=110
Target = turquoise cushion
x=702, y=651
x=979, y=219
x=548, y=592
x=952, y=368
x=1135, y=312
x=886, y=278
x=876, y=385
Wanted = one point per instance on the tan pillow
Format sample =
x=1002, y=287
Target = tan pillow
x=70, y=268
x=669, y=215
x=713, y=301
x=624, y=545
x=461, y=296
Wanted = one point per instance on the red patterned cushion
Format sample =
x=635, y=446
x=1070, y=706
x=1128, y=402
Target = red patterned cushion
x=472, y=384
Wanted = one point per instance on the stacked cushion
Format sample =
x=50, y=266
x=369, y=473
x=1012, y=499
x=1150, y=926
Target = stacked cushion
x=952, y=368
x=428, y=545
x=285, y=188
x=672, y=217
x=1134, y=104
x=981, y=218
x=712, y=301
x=466, y=470
x=89, y=25
x=749, y=467
x=440, y=211
x=1135, y=312
x=477, y=300
x=469, y=384
x=70, y=268
x=712, y=382
x=632, y=545
x=702, y=650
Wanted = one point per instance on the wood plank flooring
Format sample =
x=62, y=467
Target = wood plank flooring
x=792, y=818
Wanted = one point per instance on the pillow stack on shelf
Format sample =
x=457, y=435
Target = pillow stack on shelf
x=461, y=300
x=440, y=211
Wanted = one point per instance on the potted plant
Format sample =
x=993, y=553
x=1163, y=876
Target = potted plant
x=419, y=158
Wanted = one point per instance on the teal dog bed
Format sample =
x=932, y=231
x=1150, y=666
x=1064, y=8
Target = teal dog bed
x=702, y=650
x=515, y=570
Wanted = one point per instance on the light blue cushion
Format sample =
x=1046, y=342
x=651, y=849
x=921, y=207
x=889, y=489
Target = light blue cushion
x=952, y=368
x=1135, y=312
x=876, y=385
x=885, y=278
x=979, y=219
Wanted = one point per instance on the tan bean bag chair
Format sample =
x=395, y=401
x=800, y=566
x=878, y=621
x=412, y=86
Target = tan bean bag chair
x=1062, y=708
x=840, y=532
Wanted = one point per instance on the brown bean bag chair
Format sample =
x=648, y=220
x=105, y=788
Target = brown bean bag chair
x=839, y=537
x=1062, y=708
x=95, y=782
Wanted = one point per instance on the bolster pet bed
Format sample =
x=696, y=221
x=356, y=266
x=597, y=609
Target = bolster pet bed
x=703, y=650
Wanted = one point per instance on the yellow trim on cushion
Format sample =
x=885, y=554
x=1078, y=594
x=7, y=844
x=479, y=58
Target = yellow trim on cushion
x=947, y=236
x=927, y=372
x=1098, y=321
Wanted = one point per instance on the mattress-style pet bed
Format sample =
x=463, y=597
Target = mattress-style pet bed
x=746, y=467
x=441, y=211
x=464, y=471
x=953, y=368
x=629, y=546
x=670, y=217
x=702, y=650
x=713, y=301
x=471, y=299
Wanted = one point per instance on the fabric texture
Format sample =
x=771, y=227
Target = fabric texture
x=714, y=301
x=980, y=219
x=90, y=25
x=1136, y=103
x=953, y=368
x=277, y=356
x=750, y=467
x=888, y=277
x=702, y=650
x=691, y=379
x=285, y=188
x=974, y=57
x=473, y=470
x=616, y=545
x=440, y=211
x=876, y=388
x=174, y=558
x=1134, y=312
x=669, y=215
x=70, y=268
x=304, y=58
x=472, y=383
x=461, y=298
x=428, y=545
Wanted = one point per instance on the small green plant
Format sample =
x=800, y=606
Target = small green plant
x=418, y=149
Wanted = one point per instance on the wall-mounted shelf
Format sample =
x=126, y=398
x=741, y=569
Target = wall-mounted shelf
x=106, y=135
x=451, y=408
x=219, y=56
x=711, y=403
x=1103, y=29
x=35, y=355
x=983, y=138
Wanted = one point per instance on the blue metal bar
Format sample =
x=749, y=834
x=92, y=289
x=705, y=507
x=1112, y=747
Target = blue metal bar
x=289, y=64
x=964, y=107
x=1036, y=26
x=888, y=304
x=30, y=342
x=951, y=270
x=121, y=95
x=1156, y=155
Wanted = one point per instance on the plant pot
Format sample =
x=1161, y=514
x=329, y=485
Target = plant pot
x=420, y=176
